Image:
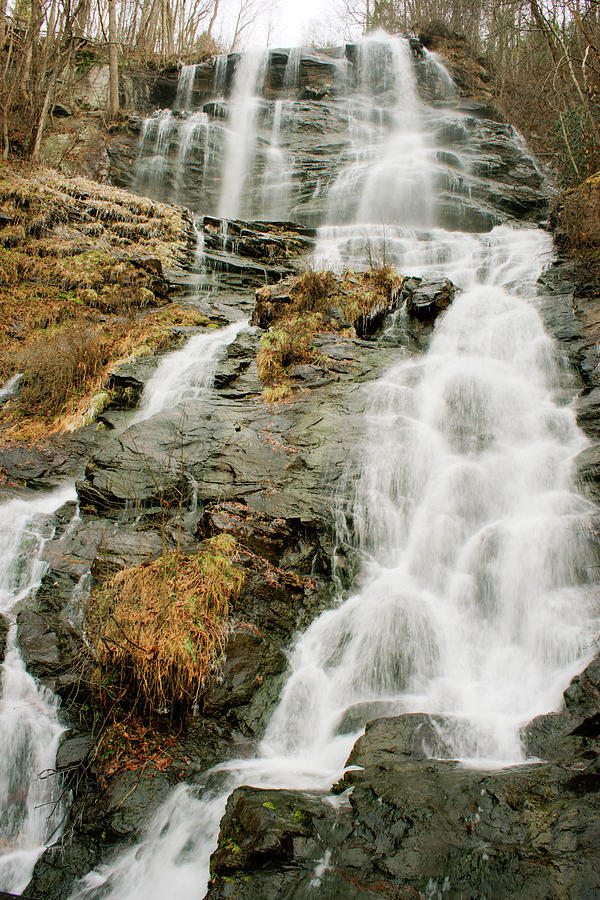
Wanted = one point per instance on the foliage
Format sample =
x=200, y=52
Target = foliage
x=158, y=629
x=578, y=218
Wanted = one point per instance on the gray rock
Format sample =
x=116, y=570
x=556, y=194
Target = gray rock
x=73, y=751
x=425, y=300
x=4, y=628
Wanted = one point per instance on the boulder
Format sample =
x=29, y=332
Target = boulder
x=414, y=828
x=425, y=300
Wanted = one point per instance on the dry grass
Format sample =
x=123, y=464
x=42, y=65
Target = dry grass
x=302, y=306
x=286, y=346
x=159, y=628
x=79, y=258
x=55, y=369
x=314, y=288
x=278, y=393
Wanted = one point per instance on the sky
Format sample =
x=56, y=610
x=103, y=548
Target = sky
x=294, y=22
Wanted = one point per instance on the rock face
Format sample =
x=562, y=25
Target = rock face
x=406, y=826
x=426, y=299
x=4, y=626
x=483, y=176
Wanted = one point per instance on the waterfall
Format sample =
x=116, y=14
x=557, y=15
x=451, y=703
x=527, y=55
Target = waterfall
x=277, y=179
x=241, y=133
x=220, y=75
x=185, y=375
x=474, y=600
x=291, y=78
x=474, y=603
x=389, y=181
x=185, y=87
x=29, y=725
x=157, y=140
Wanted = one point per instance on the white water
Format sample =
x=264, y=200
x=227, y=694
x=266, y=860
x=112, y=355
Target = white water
x=184, y=376
x=278, y=175
x=475, y=599
x=185, y=87
x=240, y=140
x=11, y=388
x=29, y=726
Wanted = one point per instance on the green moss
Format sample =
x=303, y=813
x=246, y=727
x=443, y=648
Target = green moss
x=268, y=804
x=233, y=848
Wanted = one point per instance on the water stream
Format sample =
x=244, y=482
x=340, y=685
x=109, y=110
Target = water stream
x=475, y=600
x=185, y=375
x=29, y=725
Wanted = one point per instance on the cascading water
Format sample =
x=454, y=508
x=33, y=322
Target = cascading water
x=474, y=601
x=185, y=87
x=185, y=375
x=241, y=132
x=29, y=726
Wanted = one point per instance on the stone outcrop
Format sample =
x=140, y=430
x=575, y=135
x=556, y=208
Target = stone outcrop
x=402, y=825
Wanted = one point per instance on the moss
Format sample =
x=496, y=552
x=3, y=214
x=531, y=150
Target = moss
x=268, y=804
x=233, y=848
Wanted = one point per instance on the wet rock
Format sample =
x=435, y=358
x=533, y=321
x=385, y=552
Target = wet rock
x=38, y=643
x=425, y=300
x=122, y=548
x=250, y=253
x=587, y=467
x=411, y=827
x=4, y=628
x=414, y=734
x=127, y=380
x=74, y=751
x=128, y=798
x=570, y=736
x=238, y=357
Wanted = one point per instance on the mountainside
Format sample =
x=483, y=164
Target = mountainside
x=321, y=562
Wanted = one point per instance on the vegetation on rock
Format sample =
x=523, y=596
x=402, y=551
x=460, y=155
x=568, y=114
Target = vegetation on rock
x=82, y=286
x=158, y=629
x=302, y=306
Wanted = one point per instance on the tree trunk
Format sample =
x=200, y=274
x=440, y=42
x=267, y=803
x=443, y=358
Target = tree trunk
x=113, y=60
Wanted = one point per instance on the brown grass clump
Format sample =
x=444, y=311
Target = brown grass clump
x=278, y=393
x=56, y=369
x=286, y=346
x=160, y=628
x=313, y=288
